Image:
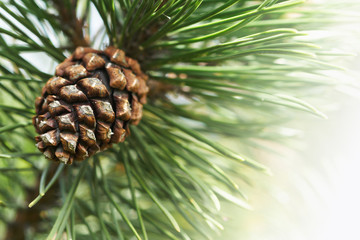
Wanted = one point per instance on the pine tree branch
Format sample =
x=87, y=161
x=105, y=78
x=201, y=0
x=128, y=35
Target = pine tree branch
x=216, y=70
x=70, y=24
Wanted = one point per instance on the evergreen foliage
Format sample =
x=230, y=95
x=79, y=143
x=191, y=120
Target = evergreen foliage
x=219, y=70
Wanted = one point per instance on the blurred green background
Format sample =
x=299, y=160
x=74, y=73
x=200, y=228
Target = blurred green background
x=314, y=191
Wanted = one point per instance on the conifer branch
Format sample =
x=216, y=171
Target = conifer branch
x=70, y=24
x=232, y=70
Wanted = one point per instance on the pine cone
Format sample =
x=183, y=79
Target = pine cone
x=89, y=104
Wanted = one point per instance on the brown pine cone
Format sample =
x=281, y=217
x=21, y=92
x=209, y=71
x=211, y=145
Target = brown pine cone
x=89, y=104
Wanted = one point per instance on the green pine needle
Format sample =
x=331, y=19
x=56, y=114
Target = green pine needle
x=228, y=73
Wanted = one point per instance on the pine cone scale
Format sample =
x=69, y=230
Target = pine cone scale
x=89, y=104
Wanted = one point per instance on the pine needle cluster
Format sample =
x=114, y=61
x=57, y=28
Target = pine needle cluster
x=218, y=70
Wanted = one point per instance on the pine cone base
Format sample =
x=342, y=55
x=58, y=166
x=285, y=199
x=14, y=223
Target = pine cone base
x=89, y=103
